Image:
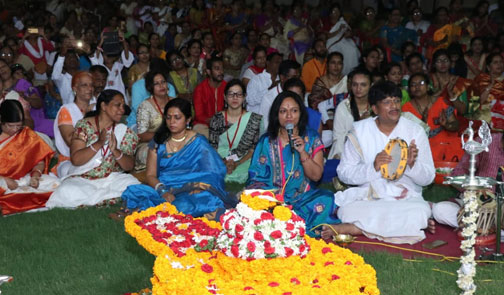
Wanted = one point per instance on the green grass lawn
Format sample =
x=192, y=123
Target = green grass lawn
x=84, y=252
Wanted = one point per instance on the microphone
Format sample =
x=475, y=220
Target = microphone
x=290, y=129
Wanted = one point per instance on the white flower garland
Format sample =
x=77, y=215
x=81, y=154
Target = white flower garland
x=468, y=265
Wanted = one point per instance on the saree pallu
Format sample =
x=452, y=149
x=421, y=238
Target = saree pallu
x=278, y=169
x=194, y=175
x=247, y=135
x=16, y=164
x=493, y=110
x=445, y=145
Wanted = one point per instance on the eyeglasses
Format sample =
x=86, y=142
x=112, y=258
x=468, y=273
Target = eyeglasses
x=235, y=94
x=417, y=13
x=390, y=101
x=421, y=83
x=6, y=54
x=370, y=13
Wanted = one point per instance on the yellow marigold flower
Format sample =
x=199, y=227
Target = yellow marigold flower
x=282, y=213
x=256, y=203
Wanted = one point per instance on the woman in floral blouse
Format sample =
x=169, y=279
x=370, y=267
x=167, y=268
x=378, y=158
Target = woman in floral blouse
x=101, y=149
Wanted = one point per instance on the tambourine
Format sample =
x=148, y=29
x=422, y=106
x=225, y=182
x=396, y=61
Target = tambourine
x=398, y=150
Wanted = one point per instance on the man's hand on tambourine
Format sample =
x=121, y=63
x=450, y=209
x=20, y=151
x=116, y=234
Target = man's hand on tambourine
x=412, y=153
x=381, y=158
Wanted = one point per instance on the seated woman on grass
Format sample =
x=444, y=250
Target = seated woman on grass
x=24, y=183
x=100, y=151
x=292, y=171
x=234, y=132
x=182, y=168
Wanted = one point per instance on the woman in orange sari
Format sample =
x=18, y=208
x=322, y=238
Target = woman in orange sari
x=487, y=94
x=439, y=115
x=24, y=183
x=452, y=88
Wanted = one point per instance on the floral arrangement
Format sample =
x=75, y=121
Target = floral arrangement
x=256, y=234
x=162, y=226
x=179, y=232
x=327, y=269
x=467, y=269
x=193, y=268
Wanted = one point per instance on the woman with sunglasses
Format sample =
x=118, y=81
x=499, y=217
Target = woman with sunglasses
x=234, y=132
x=24, y=183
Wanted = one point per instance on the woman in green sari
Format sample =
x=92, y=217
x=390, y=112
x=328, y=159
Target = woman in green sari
x=234, y=132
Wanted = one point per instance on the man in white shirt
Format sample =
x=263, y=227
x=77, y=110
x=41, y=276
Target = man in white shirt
x=259, y=84
x=393, y=211
x=66, y=65
x=287, y=69
x=114, y=64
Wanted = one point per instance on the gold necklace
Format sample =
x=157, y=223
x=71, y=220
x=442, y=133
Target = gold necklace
x=179, y=139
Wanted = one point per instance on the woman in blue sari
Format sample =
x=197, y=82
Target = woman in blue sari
x=182, y=168
x=293, y=170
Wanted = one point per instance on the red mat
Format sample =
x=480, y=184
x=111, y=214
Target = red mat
x=445, y=233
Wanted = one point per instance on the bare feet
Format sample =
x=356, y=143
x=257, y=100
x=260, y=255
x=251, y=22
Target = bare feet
x=328, y=232
x=431, y=226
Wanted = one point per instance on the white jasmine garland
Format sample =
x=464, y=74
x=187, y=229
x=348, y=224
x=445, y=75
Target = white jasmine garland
x=468, y=265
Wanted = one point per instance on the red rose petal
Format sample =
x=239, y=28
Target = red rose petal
x=273, y=284
x=295, y=281
x=326, y=250
x=207, y=268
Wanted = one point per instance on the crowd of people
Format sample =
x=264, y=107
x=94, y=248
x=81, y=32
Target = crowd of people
x=195, y=94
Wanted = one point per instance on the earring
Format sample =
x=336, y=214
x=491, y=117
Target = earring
x=74, y=93
x=188, y=126
x=225, y=105
x=244, y=104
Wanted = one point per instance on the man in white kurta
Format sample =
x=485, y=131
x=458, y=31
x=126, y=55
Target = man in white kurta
x=393, y=211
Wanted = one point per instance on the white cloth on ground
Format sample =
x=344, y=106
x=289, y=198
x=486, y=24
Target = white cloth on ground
x=77, y=191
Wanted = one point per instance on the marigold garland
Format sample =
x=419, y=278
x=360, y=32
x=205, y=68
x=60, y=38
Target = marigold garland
x=326, y=269
x=257, y=203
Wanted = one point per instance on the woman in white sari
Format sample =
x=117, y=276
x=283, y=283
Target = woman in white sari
x=327, y=91
x=339, y=40
x=100, y=151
